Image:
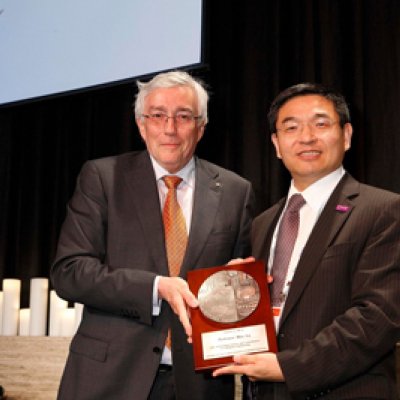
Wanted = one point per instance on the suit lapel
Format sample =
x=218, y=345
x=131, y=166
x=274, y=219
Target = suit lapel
x=207, y=196
x=140, y=179
x=261, y=240
x=333, y=216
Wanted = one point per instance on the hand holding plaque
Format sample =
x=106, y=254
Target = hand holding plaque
x=234, y=314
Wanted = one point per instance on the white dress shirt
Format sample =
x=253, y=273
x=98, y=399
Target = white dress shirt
x=316, y=196
x=184, y=194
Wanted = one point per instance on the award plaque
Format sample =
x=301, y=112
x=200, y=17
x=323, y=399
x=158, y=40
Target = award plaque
x=234, y=314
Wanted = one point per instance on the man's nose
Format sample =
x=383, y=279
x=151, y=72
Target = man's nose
x=307, y=133
x=170, y=124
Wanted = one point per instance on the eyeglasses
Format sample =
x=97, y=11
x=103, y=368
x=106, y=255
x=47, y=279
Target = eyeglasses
x=181, y=118
x=317, y=125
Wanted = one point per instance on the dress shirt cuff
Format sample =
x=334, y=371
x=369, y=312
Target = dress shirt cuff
x=156, y=299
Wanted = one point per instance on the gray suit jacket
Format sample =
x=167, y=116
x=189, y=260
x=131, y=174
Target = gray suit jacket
x=111, y=248
x=342, y=316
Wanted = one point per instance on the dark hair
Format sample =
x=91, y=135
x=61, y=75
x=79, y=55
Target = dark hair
x=304, y=89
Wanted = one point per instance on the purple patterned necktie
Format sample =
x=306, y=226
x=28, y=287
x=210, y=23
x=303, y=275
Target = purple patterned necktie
x=285, y=242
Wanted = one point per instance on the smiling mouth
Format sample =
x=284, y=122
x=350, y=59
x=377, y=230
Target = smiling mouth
x=309, y=153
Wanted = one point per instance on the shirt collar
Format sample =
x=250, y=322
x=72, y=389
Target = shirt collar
x=186, y=173
x=317, y=194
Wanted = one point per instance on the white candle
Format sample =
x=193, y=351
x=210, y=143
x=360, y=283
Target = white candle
x=38, y=304
x=11, y=302
x=1, y=312
x=78, y=314
x=24, y=314
x=68, y=322
x=57, y=307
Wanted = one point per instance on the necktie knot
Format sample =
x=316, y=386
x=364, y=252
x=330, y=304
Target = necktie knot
x=172, y=181
x=295, y=203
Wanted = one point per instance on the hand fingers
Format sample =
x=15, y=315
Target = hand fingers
x=190, y=298
x=249, y=259
x=175, y=288
x=176, y=291
x=182, y=290
x=236, y=261
x=245, y=359
x=229, y=369
x=182, y=299
x=181, y=310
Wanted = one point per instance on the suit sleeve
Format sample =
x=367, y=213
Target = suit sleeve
x=81, y=273
x=366, y=331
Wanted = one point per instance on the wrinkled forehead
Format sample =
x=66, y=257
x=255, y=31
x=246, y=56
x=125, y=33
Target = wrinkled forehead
x=176, y=97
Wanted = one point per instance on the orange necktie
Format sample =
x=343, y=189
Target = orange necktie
x=174, y=226
x=175, y=231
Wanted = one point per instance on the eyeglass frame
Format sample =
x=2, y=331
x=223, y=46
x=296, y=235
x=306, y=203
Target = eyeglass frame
x=166, y=117
x=311, y=124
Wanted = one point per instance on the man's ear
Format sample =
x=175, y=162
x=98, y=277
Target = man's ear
x=142, y=128
x=348, y=134
x=275, y=141
x=200, y=132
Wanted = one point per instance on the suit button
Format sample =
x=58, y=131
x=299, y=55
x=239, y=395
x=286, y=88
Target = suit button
x=156, y=350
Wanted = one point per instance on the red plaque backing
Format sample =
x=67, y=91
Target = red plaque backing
x=201, y=324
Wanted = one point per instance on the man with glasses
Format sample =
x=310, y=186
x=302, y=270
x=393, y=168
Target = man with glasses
x=337, y=308
x=118, y=258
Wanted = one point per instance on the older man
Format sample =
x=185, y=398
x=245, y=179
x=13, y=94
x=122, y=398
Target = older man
x=135, y=225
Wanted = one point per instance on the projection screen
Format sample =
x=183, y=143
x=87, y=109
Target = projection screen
x=50, y=47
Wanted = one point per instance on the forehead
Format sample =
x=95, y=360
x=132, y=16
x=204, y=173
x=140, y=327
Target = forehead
x=307, y=106
x=172, y=97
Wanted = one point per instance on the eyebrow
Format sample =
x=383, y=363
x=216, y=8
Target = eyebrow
x=315, y=116
x=288, y=119
x=157, y=108
x=163, y=109
x=321, y=115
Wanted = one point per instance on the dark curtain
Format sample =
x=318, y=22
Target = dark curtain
x=253, y=49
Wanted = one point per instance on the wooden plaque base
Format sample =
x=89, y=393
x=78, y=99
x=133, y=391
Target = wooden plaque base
x=260, y=318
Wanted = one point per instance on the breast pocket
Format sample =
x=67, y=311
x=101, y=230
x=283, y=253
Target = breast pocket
x=339, y=250
x=336, y=264
x=221, y=238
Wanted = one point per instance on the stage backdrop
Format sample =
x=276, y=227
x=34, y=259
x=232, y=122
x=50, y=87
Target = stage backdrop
x=253, y=50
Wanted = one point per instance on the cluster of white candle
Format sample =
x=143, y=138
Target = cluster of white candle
x=33, y=321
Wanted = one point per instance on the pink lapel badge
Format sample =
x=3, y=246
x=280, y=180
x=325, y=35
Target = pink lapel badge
x=342, y=208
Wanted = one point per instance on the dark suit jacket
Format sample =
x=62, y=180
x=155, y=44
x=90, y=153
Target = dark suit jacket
x=111, y=248
x=342, y=315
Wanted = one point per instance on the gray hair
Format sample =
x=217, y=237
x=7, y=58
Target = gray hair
x=172, y=79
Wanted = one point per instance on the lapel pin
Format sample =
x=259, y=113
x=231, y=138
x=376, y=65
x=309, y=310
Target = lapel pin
x=342, y=208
